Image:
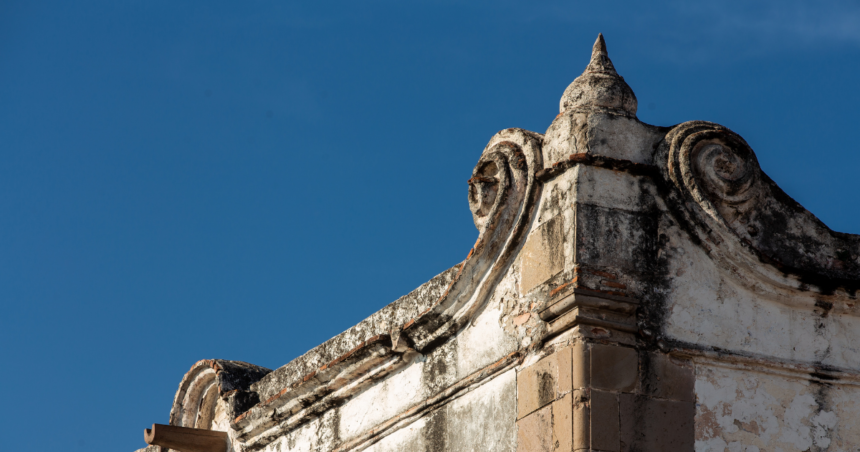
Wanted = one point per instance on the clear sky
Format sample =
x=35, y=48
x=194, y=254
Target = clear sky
x=244, y=180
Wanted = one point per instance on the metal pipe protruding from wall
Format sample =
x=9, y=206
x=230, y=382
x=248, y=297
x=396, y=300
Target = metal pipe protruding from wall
x=185, y=439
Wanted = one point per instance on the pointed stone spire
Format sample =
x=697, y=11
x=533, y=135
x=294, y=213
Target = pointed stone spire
x=600, y=85
x=600, y=61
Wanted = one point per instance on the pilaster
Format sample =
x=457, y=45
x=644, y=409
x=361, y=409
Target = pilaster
x=601, y=383
x=594, y=396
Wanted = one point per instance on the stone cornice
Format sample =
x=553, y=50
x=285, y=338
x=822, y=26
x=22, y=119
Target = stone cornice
x=639, y=169
x=502, y=193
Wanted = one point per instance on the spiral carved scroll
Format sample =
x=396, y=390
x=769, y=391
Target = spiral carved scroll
x=502, y=194
x=724, y=198
x=712, y=165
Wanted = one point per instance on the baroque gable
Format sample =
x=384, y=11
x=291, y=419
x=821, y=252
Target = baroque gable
x=625, y=277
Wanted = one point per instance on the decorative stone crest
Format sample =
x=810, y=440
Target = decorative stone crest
x=728, y=203
x=502, y=194
x=600, y=85
x=196, y=403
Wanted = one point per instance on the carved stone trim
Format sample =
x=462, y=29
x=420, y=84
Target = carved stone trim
x=557, y=168
x=606, y=315
x=589, y=299
x=743, y=219
x=321, y=389
x=271, y=419
x=503, y=192
x=767, y=364
x=190, y=402
x=209, y=379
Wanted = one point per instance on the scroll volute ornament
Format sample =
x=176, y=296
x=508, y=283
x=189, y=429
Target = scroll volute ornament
x=727, y=201
x=498, y=177
x=503, y=192
x=502, y=195
x=713, y=166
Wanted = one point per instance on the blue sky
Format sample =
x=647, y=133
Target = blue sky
x=244, y=180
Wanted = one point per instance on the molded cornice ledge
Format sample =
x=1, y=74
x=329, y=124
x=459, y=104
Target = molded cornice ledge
x=316, y=392
x=502, y=194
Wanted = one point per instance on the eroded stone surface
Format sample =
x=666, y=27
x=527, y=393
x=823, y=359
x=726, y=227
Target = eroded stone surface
x=391, y=316
x=759, y=411
x=543, y=254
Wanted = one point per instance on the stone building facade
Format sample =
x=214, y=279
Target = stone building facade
x=632, y=288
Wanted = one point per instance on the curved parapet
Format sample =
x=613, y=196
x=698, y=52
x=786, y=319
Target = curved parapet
x=503, y=191
x=196, y=402
x=743, y=218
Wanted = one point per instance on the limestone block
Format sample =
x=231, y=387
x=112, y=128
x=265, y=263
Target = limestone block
x=654, y=425
x=668, y=378
x=603, y=422
x=562, y=423
x=614, y=368
x=537, y=385
x=581, y=414
x=534, y=432
x=581, y=365
x=542, y=254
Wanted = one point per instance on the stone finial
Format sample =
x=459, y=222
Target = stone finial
x=600, y=61
x=600, y=85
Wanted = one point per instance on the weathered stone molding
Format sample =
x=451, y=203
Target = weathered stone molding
x=301, y=390
x=639, y=169
x=382, y=323
x=743, y=219
x=503, y=191
x=589, y=308
x=194, y=404
x=502, y=194
x=318, y=392
x=769, y=365
x=445, y=396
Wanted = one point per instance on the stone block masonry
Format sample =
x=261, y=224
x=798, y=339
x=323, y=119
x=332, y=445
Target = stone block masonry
x=594, y=396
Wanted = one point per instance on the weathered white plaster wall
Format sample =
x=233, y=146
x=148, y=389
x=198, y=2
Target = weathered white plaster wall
x=382, y=401
x=485, y=418
x=483, y=342
x=317, y=435
x=407, y=438
x=707, y=307
x=760, y=411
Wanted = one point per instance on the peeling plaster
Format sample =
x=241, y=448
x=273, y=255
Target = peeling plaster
x=750, y=411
